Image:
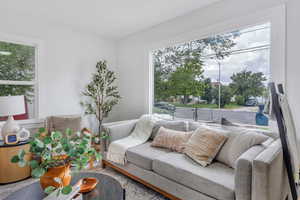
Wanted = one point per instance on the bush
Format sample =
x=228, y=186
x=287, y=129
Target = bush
x=226, y=95
x=240, y=100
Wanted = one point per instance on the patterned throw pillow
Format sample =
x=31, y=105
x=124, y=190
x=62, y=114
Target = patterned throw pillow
x=171, y=139
x=204, y=145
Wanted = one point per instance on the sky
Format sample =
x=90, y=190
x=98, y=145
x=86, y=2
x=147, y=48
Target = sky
x=255, y=61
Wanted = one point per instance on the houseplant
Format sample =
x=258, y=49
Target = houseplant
x=101, y=95
x=56, y=153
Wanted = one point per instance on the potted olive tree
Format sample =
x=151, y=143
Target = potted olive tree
x=101, y=95
x=54, y=154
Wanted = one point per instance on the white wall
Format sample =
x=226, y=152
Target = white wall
x=133, y=52
x=68, y=57
x=293, y=59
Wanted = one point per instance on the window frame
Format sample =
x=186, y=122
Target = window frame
x=37, y=44
x=276, y=16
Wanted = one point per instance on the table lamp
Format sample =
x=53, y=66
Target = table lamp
x=9, y=106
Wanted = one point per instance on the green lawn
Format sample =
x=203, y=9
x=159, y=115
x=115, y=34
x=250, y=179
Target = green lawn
x=212, y=106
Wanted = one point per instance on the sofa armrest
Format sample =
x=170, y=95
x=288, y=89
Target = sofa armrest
x=243, y=172
x=269, y=174
x=119, y=130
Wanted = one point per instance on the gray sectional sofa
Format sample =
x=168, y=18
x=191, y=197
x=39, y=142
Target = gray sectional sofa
x=259, y=173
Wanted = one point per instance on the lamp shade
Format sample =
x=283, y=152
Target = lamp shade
x=12, y=105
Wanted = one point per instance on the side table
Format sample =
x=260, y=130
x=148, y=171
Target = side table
x=11, y=172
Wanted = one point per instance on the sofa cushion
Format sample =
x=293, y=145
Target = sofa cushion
x=216, y=180
x=174, y=125
x=238, y=142
x=143, y=155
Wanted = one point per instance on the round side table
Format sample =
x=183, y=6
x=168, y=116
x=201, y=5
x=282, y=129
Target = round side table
x=11, y=172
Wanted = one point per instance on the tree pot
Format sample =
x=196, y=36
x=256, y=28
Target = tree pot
x=62, y=172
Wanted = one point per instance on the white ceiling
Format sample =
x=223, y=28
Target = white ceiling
x=109, y=18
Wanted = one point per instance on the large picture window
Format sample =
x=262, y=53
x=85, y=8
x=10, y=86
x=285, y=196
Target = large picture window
x=222, y=76
x=18, y=75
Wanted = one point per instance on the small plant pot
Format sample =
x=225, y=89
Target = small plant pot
x=61, y=172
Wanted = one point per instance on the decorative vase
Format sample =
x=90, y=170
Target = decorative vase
x=62, y=172
x=260, y=118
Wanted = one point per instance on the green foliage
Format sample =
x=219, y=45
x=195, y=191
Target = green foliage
x=75, y=148
x=186, y=80
x=240, y=100
x=66, y=190
x=101, y=93
x=49, y=189
x=226, y=95
x=18, y=66
x=208, y=91
x=38, y=172
x=248, y=84
x=178, y=70
x=15, y=159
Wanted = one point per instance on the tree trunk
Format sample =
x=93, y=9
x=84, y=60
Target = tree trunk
x=102, y=142
x=185, y=99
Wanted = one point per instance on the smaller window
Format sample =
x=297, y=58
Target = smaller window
x=18, y=75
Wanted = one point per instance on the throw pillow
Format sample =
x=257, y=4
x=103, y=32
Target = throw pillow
x=171, y=139
x=174, y=125
x=61, y=123
x=204, y=145
x=239, y=141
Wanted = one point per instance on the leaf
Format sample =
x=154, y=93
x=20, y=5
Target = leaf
x=49, y=189
x=47, y=140
x=38, y=172
x=22, y=163
x=39, y=143
x=42, y=130
x=58, y=150
x=46, y=155
x=98, y=156
x=21, y=154
x=15, y=159
x=69, y=131
x=37, y=135
x=66, y=190
x=56, y=135
x=80, y=150
x=33, y=164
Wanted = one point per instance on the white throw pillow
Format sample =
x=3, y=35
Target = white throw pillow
x=238, y=142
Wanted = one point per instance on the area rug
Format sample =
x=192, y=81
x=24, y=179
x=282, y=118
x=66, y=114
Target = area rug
x=134, y=190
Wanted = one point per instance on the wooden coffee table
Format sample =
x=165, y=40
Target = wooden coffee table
x=107, y=189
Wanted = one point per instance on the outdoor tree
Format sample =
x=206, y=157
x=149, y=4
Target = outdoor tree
x=169, y=62
x=208, y=91
x=246, y=84
x=17, y=64
x=160, y=80
x=101, y=93
x=226, y=95
x=187, y=80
